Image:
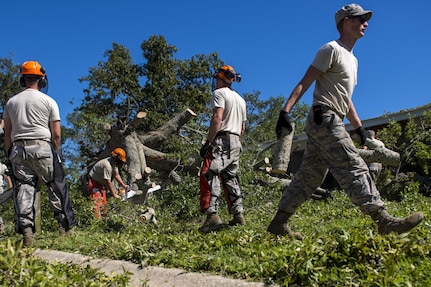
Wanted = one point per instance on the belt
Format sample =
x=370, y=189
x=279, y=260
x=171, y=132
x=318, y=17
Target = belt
x=225, y=133
x=25, y=142
x=326, y=108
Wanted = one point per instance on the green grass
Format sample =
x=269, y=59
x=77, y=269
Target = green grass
x=341, y=246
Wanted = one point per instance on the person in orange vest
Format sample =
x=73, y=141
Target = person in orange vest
x=101, y=178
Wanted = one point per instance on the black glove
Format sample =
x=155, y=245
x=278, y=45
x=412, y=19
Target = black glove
x=363, y=134
x=8, y=171
x=9, y=151
x=205, y=148
x=283, y=121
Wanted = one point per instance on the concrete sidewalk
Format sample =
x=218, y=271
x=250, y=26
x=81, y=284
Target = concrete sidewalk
x=153, y=276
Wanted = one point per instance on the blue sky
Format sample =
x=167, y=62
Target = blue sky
x=271, y=43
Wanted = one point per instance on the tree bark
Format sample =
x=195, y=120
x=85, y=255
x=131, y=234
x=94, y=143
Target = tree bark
x=282, y=149
x=141, y=155
x=155, y=138
x=383, y=155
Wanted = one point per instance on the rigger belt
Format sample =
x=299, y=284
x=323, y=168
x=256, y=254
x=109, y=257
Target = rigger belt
x=24, y=142
x=225, y=133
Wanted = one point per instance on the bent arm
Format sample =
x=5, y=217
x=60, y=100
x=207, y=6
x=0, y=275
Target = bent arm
x=111, y=188
x=118, y=178
x=310, y=76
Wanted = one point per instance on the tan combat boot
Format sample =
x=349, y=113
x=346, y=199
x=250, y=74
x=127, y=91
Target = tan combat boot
x=28, y=237
x=387, y=224
x=279, y=226
x=64, y=229
x=238, y=219
x=212, y=223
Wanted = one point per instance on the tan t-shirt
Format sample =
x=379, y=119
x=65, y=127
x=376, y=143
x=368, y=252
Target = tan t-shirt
x=30, y=112
x=102, y=171
x=234, y=106
x=335, y=86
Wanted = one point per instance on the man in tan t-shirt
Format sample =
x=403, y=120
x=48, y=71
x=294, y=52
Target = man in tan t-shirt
x=329, y=145
x=221, y=152
x=101, y=177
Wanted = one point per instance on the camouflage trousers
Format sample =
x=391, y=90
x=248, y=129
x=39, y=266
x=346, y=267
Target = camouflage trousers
x=220, y=167
x=330, y=147
x=32, y=165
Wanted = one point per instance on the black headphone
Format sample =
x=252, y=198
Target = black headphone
x=229, y=74
x=43, y=81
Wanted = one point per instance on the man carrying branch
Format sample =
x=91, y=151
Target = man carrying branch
x=329, y=145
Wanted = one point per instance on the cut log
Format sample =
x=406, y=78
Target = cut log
x=264, y=162
x=155, y=138
x=382, y=154
x=139, y=118
x=282, y=149
x=152, y=154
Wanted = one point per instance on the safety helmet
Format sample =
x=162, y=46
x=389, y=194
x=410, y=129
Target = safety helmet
x=228, y=74
x=32, y=68
x=119, y=154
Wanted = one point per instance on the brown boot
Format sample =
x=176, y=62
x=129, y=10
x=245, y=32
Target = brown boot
x=238, y=219
x=28, y=237
x=212, y=223
x=64, y=229
x=279, y=226
x=65, y=232
x=387, y=224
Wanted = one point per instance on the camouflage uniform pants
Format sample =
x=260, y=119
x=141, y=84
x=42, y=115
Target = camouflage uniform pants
x=220, y=167
x=31, y=163
x=330, y=147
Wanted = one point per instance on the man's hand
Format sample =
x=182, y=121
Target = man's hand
x=283, y=121
x=204, y=149
x=8, y=171
x=362, y=134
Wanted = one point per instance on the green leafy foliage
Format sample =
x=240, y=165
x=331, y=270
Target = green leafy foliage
x=19, y=268
x=412, y=140
x=162, y=86
x=9, y=80
x=341, y=245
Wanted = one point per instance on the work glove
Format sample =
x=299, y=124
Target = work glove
x=8, y=171
x=363, y=134
x=205, y=148
x=283, y=121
